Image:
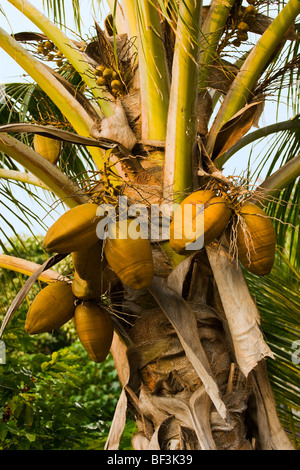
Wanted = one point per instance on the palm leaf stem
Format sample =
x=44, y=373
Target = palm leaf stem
x=21, y=177
x=182, y=122
x=45, y=171
x=253, y=67
x=154, y=76
x=26, y=267
x=290, y=124
x=123, y=13
x=279, y=180
x=212, y=29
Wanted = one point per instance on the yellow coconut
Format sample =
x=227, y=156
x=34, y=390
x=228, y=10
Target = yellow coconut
x=88, y=265
x=256, y=239
x=52, y=307
x=101, y=81
x=116, y=84
x=95, y=330
x=107, y=72
x=190, y=224
x=130, y=258
x=48, y=148
x=74, y=231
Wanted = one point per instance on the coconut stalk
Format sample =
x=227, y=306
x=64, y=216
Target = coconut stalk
x=23, y=266
x=211, y=32
x=252, y=68
x=49, y=174
x=154, y=76
x=182, y=122
x=22, y=177
x=68, y=105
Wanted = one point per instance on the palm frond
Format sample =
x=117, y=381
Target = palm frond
x=23, y=210
x=285, y=208
x=57, y=10
x=277, y=298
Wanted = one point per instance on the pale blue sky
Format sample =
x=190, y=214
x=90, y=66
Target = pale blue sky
x=10, y=71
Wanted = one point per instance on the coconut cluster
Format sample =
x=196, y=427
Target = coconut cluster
x=245, y=16
x=244, y=223
x=95, y=266
x=50, y=52
x=109, y=78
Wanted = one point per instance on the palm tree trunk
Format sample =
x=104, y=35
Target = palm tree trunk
x=163, y=391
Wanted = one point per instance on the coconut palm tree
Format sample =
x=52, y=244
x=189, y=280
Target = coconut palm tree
x=151, y=108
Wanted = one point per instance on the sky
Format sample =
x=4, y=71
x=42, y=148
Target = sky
x=10, y=71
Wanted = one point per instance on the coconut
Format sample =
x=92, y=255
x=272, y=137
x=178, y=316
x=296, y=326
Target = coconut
x=256, y=239
x=48, y=148
x=95, y=330
x=75, y=230
x=130, y=258
x=88, y=268
x=216, y=214
x=52, y=307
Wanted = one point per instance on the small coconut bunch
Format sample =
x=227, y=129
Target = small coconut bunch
x=108, y=77
x=46, y=49
x=49, y=51
x=246, y=16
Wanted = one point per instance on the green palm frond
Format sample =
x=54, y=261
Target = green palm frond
x=285, y=208
x=58, y=9
x=277, y=298
x=280, y=82
x=25, y=207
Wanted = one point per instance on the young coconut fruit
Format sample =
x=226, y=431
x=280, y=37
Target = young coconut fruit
x=74, y=231
x=184, y=230
x=99, y=70
x=95, y=330
x=107, y=72
x=88, y=267
x=49, y=45
x=48, y=148
x=101, y=81
x=256, y=240
x=130, y=258
x=52, y=307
